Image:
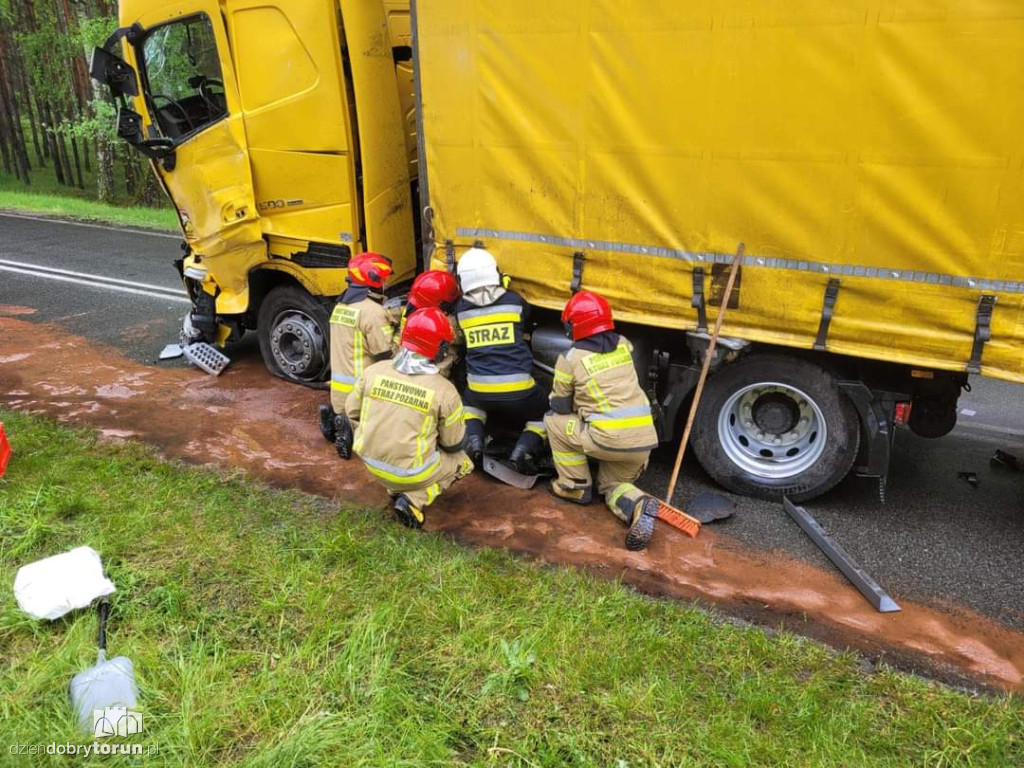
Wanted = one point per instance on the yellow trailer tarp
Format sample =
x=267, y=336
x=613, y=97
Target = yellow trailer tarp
x=878, y=143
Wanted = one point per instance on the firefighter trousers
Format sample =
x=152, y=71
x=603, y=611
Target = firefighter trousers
x=524, y=413
x=453, y=466
x=572, y=446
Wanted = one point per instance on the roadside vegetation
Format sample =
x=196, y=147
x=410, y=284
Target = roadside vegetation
x=268, y=627
x=44, y=196
x=83, y=209
x=58, y=151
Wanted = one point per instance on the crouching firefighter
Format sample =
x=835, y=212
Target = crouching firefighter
x=360, y=334
x=499, y=364
x=599, y=411
x=434, y=289
x=407, y=417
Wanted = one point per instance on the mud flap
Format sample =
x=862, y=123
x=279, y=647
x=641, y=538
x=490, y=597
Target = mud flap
x=710, y=507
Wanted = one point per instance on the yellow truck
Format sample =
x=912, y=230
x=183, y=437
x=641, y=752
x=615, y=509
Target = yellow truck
x=866, y=152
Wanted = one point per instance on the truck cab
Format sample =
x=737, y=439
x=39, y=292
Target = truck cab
x=284, y=134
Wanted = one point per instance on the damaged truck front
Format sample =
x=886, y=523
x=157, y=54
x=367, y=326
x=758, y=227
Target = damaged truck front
x=282, y=153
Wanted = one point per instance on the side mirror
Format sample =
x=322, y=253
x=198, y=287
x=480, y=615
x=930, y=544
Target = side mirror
x=129, y=128
x=113, y=72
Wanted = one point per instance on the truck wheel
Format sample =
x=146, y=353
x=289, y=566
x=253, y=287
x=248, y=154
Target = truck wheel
x=293, y=330
x=772, y=425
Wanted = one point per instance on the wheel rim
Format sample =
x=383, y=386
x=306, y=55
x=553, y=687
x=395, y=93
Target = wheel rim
x=298, y=345
x=772, y=430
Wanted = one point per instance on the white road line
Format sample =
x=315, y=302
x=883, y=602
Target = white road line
x=88, y=276
x=95, y=284
x=67, y=222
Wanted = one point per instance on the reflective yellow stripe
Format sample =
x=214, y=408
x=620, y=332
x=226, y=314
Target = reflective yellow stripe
x=595, y=390
x=474, y=413
x=562, y=376
x=421, y=439
x=569, y=458
x=626, y=423
x=433, y=491
x=364, y=418
x=537, y=430
x=340, y=386
x=505, y=386
x=357, y=355
x=456, y=416
x=413, y=479
x=497, y=317
x=615, y=495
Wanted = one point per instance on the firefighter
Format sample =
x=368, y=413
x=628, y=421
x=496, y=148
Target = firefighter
x=408, y=419
x=434, y=288
x=360, y=334
x=599, y=411
x=499, y=380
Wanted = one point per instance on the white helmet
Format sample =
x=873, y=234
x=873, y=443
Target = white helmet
x=477, y=269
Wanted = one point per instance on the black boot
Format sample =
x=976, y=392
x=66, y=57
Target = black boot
x=327, y=417
x=343, y=437
x=408, y=514
x=645, y=512
x=525, y=454
x=474, y=448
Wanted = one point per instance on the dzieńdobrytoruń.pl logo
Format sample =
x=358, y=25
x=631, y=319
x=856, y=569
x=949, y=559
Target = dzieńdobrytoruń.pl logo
x=112, y=721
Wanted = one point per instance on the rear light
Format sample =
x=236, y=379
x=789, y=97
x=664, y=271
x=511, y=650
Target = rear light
x=902, y=414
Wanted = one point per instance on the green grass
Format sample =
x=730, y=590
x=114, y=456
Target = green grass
x=273, y=628
x=46, y=197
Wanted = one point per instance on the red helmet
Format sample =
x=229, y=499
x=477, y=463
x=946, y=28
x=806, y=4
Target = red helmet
x=587, y=313
x=428, y=332
x=370, y=269
x=433, y=289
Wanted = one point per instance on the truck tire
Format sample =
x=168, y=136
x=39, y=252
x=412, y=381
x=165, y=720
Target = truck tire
x=293, y=330
x=771, y=425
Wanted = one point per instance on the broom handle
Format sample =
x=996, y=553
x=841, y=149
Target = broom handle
x=733, y=269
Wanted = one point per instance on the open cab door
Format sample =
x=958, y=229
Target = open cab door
x=186, y=119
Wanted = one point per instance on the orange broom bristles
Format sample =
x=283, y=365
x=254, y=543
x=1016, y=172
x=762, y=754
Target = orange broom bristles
x=678, y=519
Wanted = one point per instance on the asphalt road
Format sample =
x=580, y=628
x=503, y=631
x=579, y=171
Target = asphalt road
x=936, y=539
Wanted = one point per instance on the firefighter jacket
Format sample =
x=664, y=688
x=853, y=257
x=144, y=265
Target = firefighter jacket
x=360, y=333
x=603, y=389
x=451, y=357
x=403, y=422
x=499, y=363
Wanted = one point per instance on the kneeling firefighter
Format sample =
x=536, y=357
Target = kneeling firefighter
x=407, y=417
x=434, y=289
x=499, y=364
x=600, y=412
x=360, y=334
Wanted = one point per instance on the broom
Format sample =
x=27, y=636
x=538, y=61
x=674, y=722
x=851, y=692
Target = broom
x=676, y=517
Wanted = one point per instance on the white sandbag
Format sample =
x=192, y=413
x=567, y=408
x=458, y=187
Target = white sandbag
x=47, y=589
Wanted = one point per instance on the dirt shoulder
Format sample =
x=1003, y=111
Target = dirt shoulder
x=246, y=419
